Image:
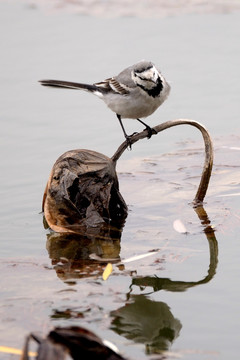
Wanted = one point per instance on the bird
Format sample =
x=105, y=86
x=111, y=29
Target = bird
x=136, y=92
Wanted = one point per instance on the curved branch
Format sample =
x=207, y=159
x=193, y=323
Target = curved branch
x=207, y=168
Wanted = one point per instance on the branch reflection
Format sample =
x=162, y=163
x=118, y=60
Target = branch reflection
x=150, y=322
x=158, y=283
x=141, y=319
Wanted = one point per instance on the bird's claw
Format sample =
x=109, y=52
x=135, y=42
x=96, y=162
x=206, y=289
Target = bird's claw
x=150, y=131
x=128, y=140
x=129, y=144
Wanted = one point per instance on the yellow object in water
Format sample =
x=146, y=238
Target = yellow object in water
x=107, y=272
x=9, y=350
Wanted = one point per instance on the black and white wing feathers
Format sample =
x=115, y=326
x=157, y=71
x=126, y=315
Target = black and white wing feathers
x=112, y=85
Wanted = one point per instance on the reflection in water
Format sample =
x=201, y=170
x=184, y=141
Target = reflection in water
x=70, y=253
x=141, y=319
x=148, y=322
x=167, y=284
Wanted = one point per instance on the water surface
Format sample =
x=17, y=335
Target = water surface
x=192, y=282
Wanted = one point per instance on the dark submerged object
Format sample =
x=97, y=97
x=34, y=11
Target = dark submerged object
x=82, y=194
x=80, y=343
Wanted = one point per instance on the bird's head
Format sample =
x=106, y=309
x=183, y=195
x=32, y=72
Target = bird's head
x=145, y=75
x=148, y=78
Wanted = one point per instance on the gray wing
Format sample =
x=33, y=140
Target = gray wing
x=120, y=84
x=112, y=85
x=125, y=77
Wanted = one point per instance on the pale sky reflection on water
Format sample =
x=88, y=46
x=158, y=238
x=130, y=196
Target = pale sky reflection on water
x=193, y=280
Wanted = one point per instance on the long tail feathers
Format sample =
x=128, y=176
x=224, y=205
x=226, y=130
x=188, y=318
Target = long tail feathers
x=69, y=85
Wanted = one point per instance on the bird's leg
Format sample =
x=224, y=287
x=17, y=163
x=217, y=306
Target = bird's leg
x=127, y=137
x=150, y=130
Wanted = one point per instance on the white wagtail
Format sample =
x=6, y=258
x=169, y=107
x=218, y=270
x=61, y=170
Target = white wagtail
x=135, y=93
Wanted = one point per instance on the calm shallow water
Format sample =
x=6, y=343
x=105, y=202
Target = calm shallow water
x=196, y=291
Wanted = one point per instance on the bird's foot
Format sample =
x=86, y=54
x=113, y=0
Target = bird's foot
x=150, y=131
x=128, y=140
x=129, y=144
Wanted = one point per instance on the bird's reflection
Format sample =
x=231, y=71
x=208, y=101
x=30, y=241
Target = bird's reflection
x=147, y=322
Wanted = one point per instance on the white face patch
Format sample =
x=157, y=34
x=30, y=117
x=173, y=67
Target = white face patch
x=147, y=78
x=150, y=74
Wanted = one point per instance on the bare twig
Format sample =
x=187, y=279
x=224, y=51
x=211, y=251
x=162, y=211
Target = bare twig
x=207, y=168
